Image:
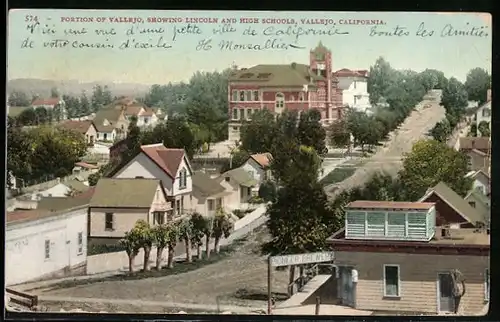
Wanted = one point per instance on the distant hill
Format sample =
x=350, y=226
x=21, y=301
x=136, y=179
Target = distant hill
x=42, y=87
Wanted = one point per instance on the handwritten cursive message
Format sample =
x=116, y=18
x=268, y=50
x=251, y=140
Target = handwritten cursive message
x=163, y=33
x=423, y=31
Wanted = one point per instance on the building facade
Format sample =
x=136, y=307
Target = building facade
x=354, y=86
x=42, y=244
x=296, y=87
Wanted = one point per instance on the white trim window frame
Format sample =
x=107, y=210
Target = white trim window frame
x=398, y=288
x=487, y=285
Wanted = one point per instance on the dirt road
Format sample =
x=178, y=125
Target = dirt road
x=239, y=280
x=388, y=157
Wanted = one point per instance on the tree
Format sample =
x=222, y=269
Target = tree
x=267, y=191
x=85, y=108
x=19, y=152
x=441, y=131
x=161, y=236
x=54, y=93
x=311, y=132
x=237, y=157
x=477, y=83
x=185, y=235
x=339, y=134
x=484, y=128
x=454, y=98
x=197, y=223
x=382, y=77
x=132, y=246
x=101, y=96
x=258, y=135
x=173, y=235
x=146, y=238
x=18, y=98
x=222, y=227
x=365, y=129
x=27, y=117
x=298, y=217
x=473, y=130
x=430, y=162
x=207, y=228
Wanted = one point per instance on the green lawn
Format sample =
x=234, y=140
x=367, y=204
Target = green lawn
x=337, y=175
x=16, y=110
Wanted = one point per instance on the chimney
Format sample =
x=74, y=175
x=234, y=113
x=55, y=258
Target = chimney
x=488, y=95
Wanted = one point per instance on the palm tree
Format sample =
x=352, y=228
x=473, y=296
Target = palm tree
x=173, y=235
x=160, y=234
x=222, y=227
x=197, y=224
x=185, y=232
x=132, y=246
x=146, y=240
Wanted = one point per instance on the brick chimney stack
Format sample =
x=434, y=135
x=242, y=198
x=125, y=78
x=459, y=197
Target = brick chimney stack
x=488, y=95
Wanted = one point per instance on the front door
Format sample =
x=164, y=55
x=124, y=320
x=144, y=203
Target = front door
x=445, y=293
x=346, y=286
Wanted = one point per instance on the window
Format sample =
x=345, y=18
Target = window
x=146, y=120
x=280, y=100
x=375, y=224
x=158, y=218
x=227, y=179
x=472, y=204
x=235, y=113
x=47, y=248
x=178, y=207
x=391, y=281
x=249, y=113
x=242, y=96
x=417, y=225
x=486, y=112
x=487, y=284
x=235, y=128
x=256, y=95
x=249, y=96
x=396, y=224
x=211, y=204
x=105, y=136
x=301, y=96
x=235, y=96
x=354, y=84
x=80, y=243
x=108, y=225
x=218, y=203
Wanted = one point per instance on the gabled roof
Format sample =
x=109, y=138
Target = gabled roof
x=124, y=193
x=483, y=207
x=78, y=126
x=76, y=185
x=110, y=114
x=452, y=199
x=206, y=185
x=475, y=174
x=240, y=176
x=262, y=159
x=86, y=165
x=167, y=159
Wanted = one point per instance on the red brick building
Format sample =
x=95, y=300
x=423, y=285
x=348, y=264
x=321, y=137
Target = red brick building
x=293, y=86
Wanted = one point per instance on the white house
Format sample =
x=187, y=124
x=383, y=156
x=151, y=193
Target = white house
x=171, y=166
x=481, y=181
x=354, y=85
x=42, y=244
x=483, y=114
x=208, y=194
x=239, y=184
x=257, y=166
x=60, y=189
x=50, y=104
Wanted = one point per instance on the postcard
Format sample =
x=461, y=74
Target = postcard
x=248, y=162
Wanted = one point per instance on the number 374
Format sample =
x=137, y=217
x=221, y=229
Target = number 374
x=30, y=18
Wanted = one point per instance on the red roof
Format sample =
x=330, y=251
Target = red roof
x=79, y=126
x=364, y=204
x=344, y=72
x=167, y=159
x=46, y=101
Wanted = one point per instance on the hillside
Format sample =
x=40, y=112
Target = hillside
x=42, y=87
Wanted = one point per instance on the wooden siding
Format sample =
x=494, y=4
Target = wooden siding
x=445, y=214
x=418, y=275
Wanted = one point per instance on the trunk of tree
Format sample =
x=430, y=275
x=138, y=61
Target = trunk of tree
x=207, y=247
x=217, y=244
x=159, y=252
x=198, y=251
x=170, y=257
x=189, y=258
x=147, y=252
x=131, y=264
x=290, y=280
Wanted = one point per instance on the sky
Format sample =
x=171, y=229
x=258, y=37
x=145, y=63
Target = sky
x=353, y=47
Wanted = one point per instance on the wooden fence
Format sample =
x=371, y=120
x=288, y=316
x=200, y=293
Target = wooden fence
x=22, y=299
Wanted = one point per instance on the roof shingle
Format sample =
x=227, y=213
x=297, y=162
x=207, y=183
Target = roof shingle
x=206, y=185
x=167, y=159
x=124, y=193
x=240, y=176
x=277, y=75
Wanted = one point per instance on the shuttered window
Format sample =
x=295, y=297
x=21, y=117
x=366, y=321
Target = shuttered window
x=396, y=224
x=376, y=224
x=417, y=225
x=355, y=224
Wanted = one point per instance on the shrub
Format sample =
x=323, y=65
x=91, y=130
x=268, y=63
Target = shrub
x=267, y=191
